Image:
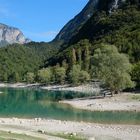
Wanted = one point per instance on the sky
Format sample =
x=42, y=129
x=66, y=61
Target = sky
x=39, y=20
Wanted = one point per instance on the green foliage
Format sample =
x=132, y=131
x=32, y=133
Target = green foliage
x=16, y=61
x=75, y=54
x=84, y=76
x=112, y=68
x=43, y=50
x=30, y=77
x=136, y=73
x=45, y=75
x=74, y=74
x=121, y=28
x=77, y=76
x=60, y=74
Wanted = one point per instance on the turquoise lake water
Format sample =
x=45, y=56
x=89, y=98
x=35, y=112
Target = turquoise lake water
x=31, y=103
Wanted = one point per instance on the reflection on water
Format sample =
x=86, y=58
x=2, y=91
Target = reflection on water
x=41, y=103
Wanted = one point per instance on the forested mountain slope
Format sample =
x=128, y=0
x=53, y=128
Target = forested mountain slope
x=17, y=60
x=73, y=26
x=121, y=28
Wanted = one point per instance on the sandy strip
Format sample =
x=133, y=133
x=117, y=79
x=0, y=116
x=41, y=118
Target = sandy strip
x=121, y=102
x=18, y=85
x=90, y=130
x=88, y=88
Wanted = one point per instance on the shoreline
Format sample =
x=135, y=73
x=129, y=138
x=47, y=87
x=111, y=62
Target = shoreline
x=88, y=130
x=92, y=131
x=120, y=102
x=18, y=85
x=86, y=88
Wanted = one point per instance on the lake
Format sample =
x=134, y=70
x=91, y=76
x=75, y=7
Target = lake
x=33, y=103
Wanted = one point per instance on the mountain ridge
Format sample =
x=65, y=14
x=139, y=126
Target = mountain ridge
x=11, y=35
x=74, y=24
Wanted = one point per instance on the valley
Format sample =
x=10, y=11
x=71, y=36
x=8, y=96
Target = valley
x=82, y=85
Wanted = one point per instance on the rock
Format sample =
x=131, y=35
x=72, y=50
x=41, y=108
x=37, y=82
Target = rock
x=74, y=134
x=92, y=138
x=3, y=121
x=10, y=35
x=66, y=133
x=60, y=122
x=41, y=131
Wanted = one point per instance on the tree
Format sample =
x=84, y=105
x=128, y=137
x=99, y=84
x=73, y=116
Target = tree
x=30, y=77
x=4, y=77
x=60, y=75
x=45, y=75
x=112, y=68
x=79, y=54
x=84, y=76
x=73, y=57
x=17, y=77
x=14, y=77
x=86, y=55
x=136, y=73
x=76, y=75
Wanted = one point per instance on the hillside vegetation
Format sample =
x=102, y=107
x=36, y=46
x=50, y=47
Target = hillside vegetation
x=121, y=28
x=73, y=62
x=17, y=60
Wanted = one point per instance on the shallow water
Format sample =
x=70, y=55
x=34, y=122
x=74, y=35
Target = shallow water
x=30, y=103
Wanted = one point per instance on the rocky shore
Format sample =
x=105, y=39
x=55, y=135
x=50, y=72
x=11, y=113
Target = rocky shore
x=90, y=131
x=44, y=127
x=121, y=102
x=87, y=88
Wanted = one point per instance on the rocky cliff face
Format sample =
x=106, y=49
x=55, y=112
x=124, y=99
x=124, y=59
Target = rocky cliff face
x=10, y=35
x=73, y=26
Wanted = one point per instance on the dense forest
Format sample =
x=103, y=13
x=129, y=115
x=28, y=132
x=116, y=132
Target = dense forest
x=17, y=60
x=74, y=62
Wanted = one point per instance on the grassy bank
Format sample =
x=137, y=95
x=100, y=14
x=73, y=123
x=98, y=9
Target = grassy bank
x=8, y=135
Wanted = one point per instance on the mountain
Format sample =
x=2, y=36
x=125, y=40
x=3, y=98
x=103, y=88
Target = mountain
x=10, y=35
x=113, y=22
x=74, y=25
x=106, y=23
x=116, y=22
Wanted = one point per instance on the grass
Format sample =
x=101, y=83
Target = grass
x=68, y=136
x=136, y=97
x=13, y=136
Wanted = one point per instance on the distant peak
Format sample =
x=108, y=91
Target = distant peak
x=10, y=35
